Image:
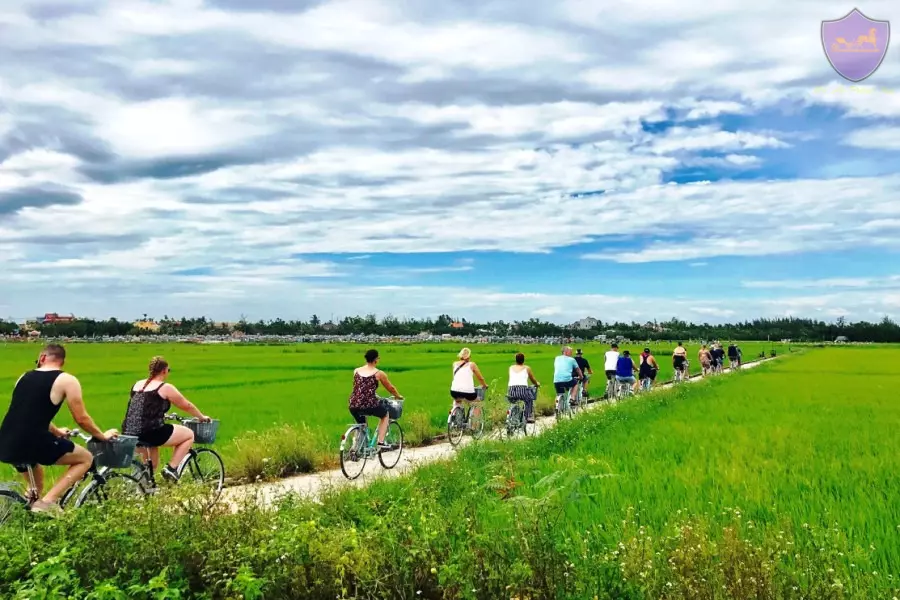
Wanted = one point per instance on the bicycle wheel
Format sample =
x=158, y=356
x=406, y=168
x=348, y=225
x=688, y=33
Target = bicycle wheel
x=10, y=501
x=456, y=424
x=110, y=486
x=511, y=424
x=204, y=467
x=394, y=437
x=476, y=421
x=353, y=455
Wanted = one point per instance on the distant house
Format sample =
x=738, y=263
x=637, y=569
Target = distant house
x=329, y=326
x=457, y=325
x=586, y=323
x=52, y=318
x=146, y=325
x=841, y=339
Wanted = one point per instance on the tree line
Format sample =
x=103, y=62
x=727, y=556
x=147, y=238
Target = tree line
x=796, y=329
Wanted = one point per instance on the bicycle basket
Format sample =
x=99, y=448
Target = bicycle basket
x=204, y=433
x=479, y=393
x=115, y=454
x=394, y=408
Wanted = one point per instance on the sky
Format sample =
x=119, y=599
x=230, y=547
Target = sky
x=484, y=159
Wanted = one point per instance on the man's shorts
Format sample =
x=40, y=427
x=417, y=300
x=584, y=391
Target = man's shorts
x=360, y=414
x=610, y=374
x=42, y=449
x=563, y=386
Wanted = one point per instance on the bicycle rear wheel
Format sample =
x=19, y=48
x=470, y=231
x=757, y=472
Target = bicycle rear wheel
x=111, y=486
x=10, y=501
x=476, y=421
x=353, y=452
x=394, y=438
x=204, y=467
x=456, y=425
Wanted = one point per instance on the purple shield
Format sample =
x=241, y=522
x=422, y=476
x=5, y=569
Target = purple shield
x=855, y=45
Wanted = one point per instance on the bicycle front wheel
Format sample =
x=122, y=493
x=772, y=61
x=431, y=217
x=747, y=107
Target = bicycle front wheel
x=353, y=452
x=117, y=487
x=10, y=501
x=394, y=438
x=204, y=467
x=456, y=425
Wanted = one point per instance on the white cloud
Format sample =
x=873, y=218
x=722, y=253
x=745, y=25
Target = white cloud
x=882, y=137
x=892, y=281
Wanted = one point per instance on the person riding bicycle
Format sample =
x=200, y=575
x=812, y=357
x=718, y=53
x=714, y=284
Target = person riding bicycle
x=566, y=373
x=145, y=417
x=464, y=373
x=609, y=361
x=586, y=372
x=679, y=356
x=718, y=354
x=625, y=370
x=28, y=438
x=364, y=401
x=705, y=357
x=518, y=389
x=732, y=355
x=648, y=368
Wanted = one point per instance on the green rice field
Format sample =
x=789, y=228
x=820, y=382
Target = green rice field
x=257, y=388
x=781, y=482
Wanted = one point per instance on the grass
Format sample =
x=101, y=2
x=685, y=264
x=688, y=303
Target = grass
x=778, y=483
x=257, y=390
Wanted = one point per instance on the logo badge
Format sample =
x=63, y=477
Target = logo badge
x=855, y=45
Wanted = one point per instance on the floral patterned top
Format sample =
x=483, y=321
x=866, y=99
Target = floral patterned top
x=363, y=394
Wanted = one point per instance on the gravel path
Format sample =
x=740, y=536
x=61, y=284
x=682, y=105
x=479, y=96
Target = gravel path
x=313, y=484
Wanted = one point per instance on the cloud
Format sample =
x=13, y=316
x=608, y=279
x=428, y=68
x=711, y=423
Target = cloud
x=888, y=282
x=41, y=196
x=880, y=137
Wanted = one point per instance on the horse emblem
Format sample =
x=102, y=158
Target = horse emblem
x=855, y=45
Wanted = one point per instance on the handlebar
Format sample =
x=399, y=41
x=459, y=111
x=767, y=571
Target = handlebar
x=78, y=433
x=180, y=419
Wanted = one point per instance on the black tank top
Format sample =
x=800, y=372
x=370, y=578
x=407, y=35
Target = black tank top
x=30, y=411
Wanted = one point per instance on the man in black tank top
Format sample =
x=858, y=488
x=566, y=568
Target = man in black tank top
x=28, y=436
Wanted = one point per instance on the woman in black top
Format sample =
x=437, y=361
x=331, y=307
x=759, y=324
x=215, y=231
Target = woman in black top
x=151, y=399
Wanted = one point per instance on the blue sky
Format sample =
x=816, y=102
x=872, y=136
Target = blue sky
x=501, y=161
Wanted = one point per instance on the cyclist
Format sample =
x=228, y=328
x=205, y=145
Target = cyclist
x=518, y=389
x=363, y=400
x=625, y=370
x=718, y=354
x=29, y=438
x=565, y=373
x=145, y=418
x=679, y=356
x=732, y=355
x=705, y=357
x=609, y=361
x=648, y=368
x=586, y=371
x=464, y=373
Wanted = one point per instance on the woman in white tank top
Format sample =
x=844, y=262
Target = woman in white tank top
x=518, y=389
x=464, y=374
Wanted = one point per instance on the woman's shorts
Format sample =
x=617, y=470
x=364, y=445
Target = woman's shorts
x=360, y=414
x=463, y=395
x=156, y=437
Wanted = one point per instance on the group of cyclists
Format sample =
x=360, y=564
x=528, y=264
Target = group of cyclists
x=29, y=440
x=568, y=372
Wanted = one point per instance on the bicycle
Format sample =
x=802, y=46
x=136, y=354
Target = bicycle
x=203, y=466
x=683, y=374
x=565, y=407
x=515, y=417
x=103, y=483
x=470, y=419
x=717, y=367
x=612, y=389
x=624, y=389
x=358, y=444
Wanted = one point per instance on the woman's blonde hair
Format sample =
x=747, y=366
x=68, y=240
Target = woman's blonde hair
x=464, y=354
x=157, y=366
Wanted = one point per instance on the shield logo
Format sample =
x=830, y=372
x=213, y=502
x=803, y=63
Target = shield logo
x=855, y=45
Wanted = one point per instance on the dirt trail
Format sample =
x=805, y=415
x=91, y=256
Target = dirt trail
x=313, y=484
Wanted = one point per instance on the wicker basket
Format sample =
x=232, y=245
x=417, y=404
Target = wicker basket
x=115, y=454
x=394, y=408
x=204, y=433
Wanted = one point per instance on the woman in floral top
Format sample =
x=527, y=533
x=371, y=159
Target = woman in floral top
x=363, y=400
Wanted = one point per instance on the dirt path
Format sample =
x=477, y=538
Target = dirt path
x=313, y=484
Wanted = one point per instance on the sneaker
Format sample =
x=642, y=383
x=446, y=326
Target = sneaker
x=170, y=473
x=385, y=446
x=51, y=509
